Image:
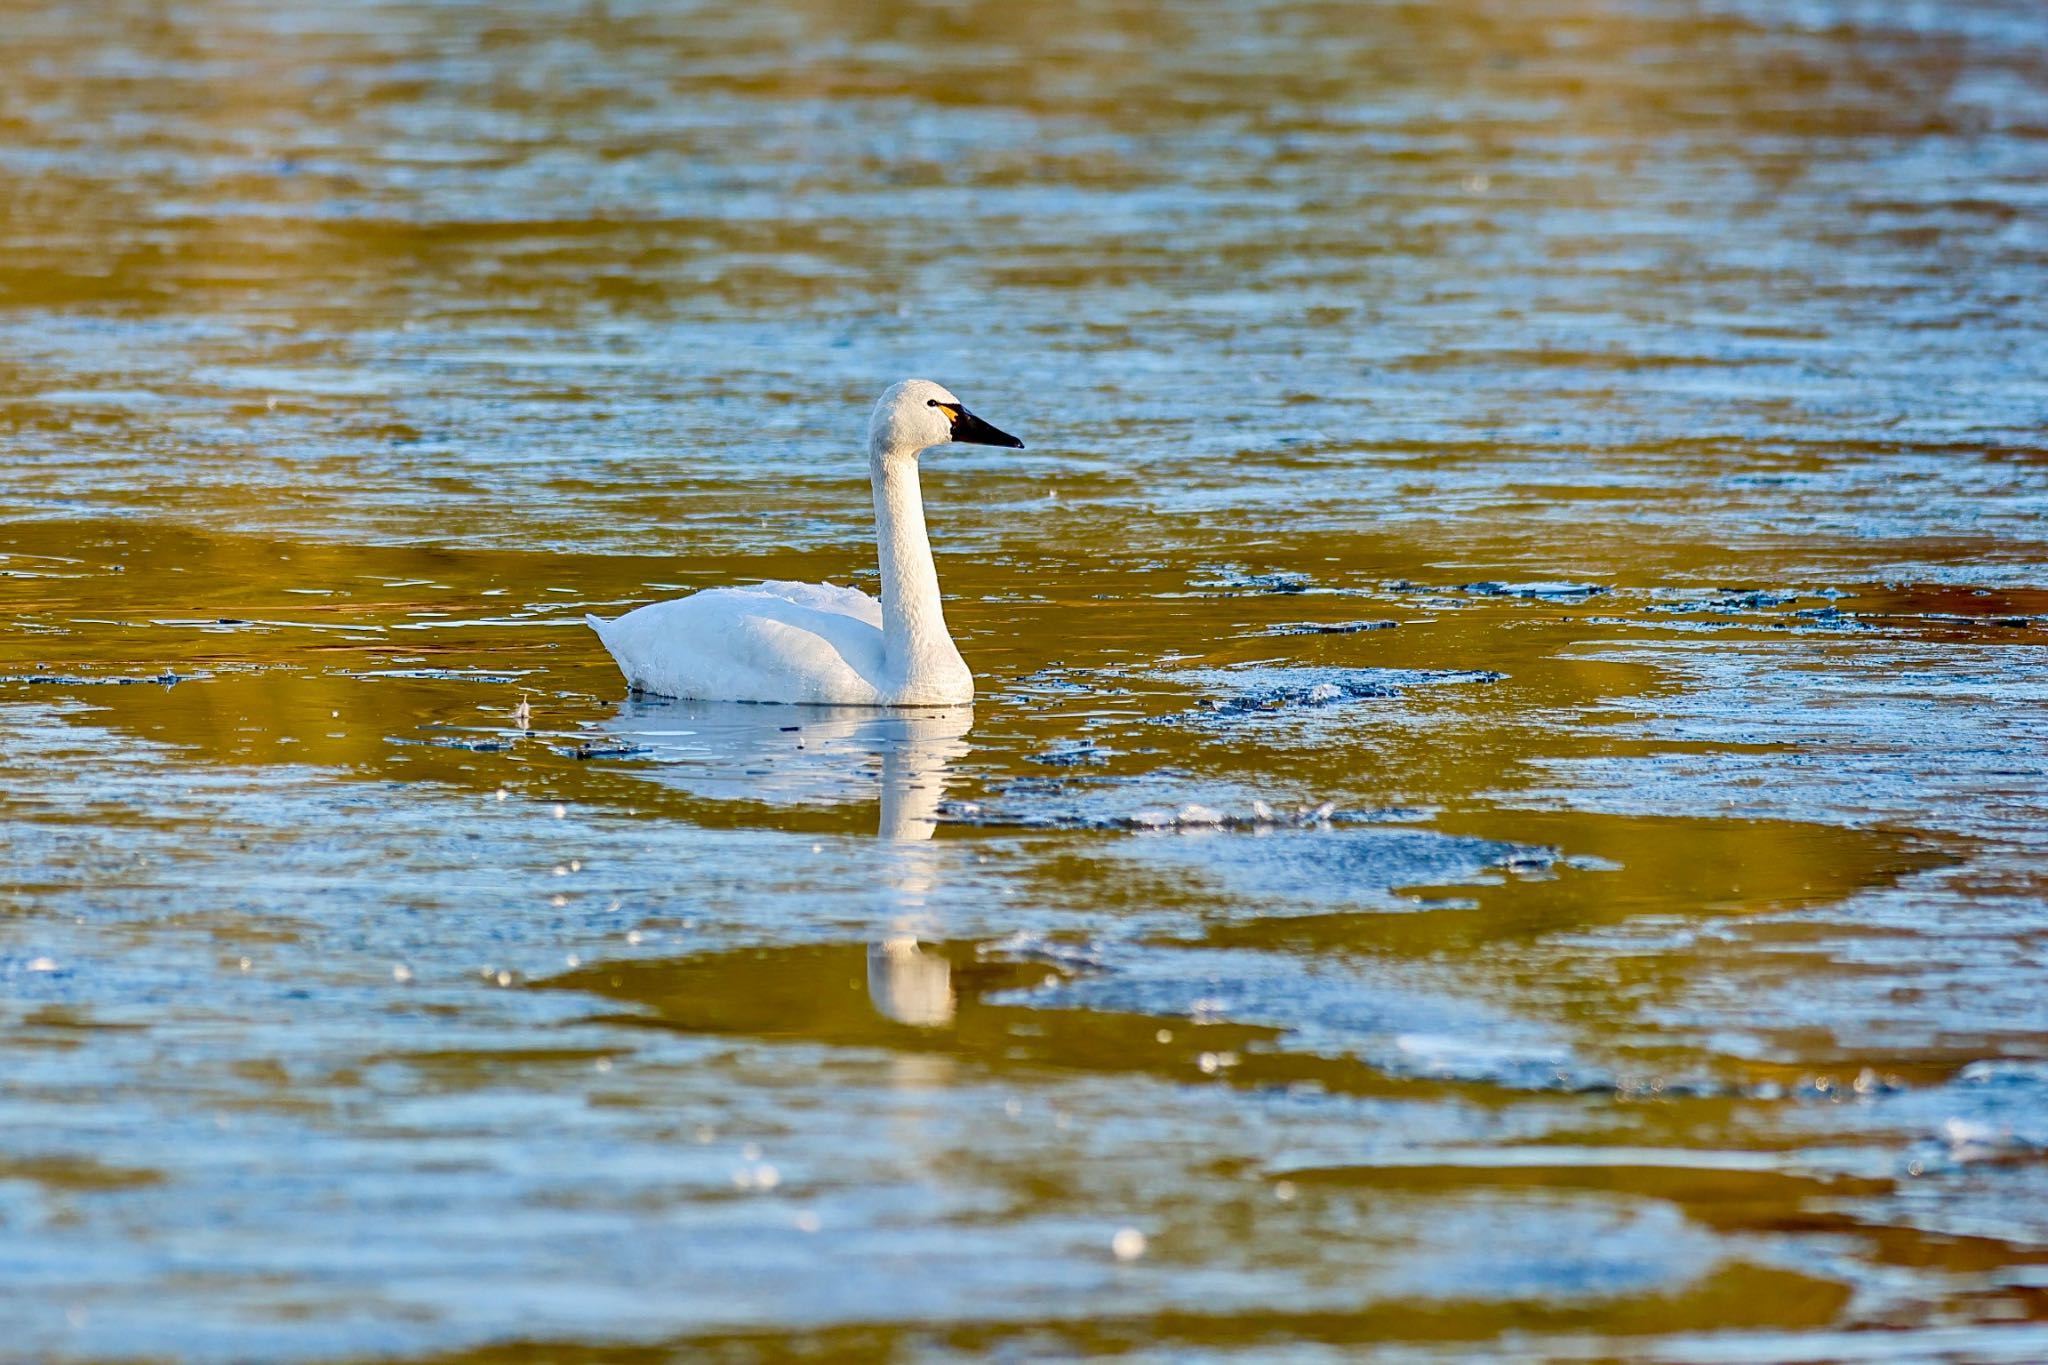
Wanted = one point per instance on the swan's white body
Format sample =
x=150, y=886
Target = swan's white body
x=813, y=642
x=778, y=642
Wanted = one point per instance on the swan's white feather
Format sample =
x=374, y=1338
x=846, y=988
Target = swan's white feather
x=826, y=597
x=771, y=642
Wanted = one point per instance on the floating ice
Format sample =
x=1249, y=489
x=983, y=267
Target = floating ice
x=1326, y=627
x=1259, y=690
x=1073, y=754
x=1553, y=591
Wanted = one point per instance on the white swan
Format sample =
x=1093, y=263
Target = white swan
x=813, y=642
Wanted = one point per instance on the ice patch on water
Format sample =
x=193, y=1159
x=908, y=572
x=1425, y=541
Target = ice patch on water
x=1967, y=1158
x=1554, y=1246
x=1235, y=579
x=1326, y=627
x=1720, y=601
x=1262, y=689
x=83, y=680
x=1078, y=753
x=466, y=675
x=2001, y=1112
x=1356, y=867
x=1037, y=947
x=1335, y=1010
x=1083, y=796
x=1072, y=815
x=1547, y=590
x=1196, y=816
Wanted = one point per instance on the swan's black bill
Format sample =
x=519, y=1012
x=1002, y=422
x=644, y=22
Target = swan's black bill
x=971, y=430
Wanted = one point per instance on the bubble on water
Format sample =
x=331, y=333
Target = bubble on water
x=504, y=978
x=1284, y=1191
x=635, y=937
x=573, y=960
x=561, y=812
x=561, y=869
x=558, y=901
x=49, y=964
x=501, y=794
x=602, y=1064
x=1164, y=1035
x=245, y=964
x=400, y=973
x=807, y=1222
x=1128, y=1244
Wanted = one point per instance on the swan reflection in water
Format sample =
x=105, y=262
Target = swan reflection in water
x=829, y=755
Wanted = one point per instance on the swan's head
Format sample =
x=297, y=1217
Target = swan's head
x=917, y=413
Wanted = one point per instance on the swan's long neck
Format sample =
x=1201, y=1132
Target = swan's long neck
x=917, y=647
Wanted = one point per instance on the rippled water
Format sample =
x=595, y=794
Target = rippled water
x=1507, y=807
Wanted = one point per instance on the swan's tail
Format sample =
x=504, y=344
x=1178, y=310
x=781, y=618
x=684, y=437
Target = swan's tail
x=604, y=630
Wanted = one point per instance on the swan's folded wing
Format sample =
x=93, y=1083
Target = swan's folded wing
x=751, y=644
x=825, y=597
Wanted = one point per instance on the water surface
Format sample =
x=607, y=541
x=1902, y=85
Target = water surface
x=1506, y=809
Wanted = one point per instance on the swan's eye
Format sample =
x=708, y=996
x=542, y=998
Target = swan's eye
x=931, y=402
